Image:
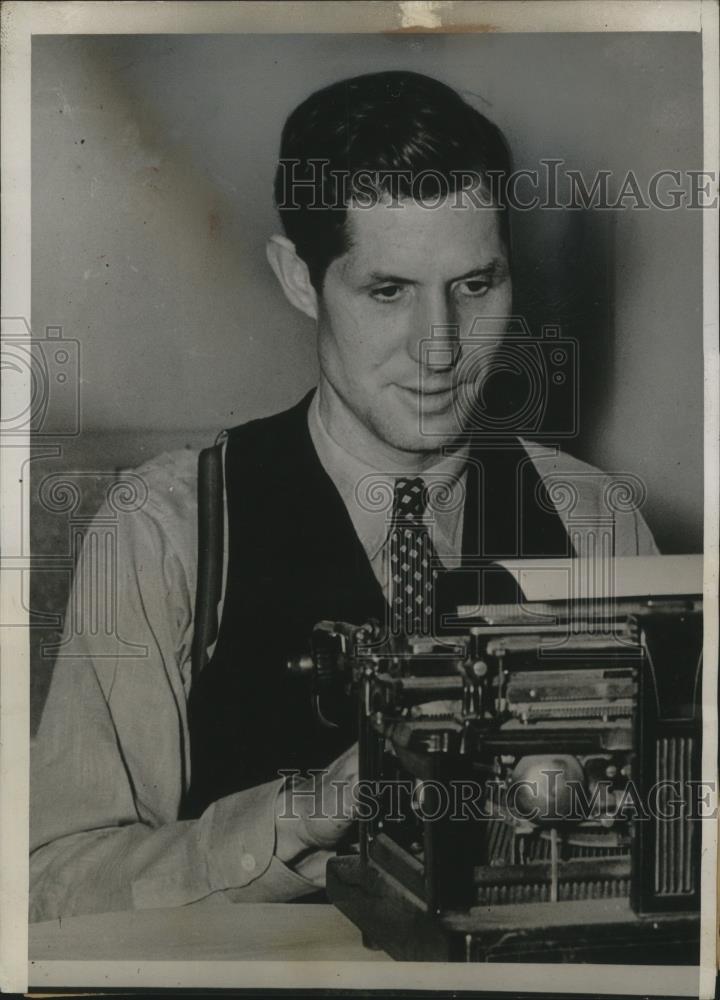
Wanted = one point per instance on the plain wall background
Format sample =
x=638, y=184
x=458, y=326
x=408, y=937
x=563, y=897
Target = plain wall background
x=153, y=159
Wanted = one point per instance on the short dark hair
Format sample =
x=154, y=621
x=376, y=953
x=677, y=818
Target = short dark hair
x=398, y=124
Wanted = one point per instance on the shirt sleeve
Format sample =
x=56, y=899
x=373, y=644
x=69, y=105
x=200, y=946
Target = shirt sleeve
x=110, y=760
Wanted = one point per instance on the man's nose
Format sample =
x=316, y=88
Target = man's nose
x=435, y=336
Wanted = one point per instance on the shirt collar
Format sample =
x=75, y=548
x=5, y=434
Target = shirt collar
x=353, y=478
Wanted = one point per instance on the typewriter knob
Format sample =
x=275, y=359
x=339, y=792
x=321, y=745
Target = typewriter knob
x=301, y=666
x=479, y=668
x=544, y=786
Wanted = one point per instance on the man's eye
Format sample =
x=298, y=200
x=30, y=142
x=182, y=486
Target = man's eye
x=476, y=287
x=387, y=293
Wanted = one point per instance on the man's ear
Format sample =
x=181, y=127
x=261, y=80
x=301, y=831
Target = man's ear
x=293, y=275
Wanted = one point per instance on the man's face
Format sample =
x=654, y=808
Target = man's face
x=409, y=271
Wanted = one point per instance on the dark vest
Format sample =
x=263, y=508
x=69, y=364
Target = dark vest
x=293, y=560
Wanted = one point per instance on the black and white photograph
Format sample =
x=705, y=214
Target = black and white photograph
x=360, y=398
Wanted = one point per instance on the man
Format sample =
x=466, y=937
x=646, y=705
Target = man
x=153, y=788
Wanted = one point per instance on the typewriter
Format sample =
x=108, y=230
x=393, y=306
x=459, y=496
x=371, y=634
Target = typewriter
x=530, y=782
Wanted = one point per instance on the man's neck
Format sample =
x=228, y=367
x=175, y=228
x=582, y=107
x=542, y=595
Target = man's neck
x=354, y=437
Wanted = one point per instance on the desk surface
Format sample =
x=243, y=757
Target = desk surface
x=260, y=931
x=283, y=933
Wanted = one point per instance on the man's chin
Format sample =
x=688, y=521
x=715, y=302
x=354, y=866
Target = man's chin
x=434, y=437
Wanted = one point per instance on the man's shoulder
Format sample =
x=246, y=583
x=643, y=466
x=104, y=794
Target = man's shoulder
x=551, y=460
x=168, y=466
x=164, y=491
x=593, y=497
x=169, y=476
x=574, y=485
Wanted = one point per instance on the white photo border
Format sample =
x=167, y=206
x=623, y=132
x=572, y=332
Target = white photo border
x=20, y=20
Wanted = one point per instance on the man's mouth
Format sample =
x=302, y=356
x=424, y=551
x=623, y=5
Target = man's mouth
x=426, y=390
x=435, y=397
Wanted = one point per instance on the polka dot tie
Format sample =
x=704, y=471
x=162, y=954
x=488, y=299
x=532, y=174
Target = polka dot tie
x=412, y=557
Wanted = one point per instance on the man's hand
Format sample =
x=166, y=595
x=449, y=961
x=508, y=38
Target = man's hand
x=314, y=814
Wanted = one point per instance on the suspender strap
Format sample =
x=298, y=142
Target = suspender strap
x=210, y=554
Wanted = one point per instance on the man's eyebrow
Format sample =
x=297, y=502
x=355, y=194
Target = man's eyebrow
x=492, y=267
x=389, y=279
